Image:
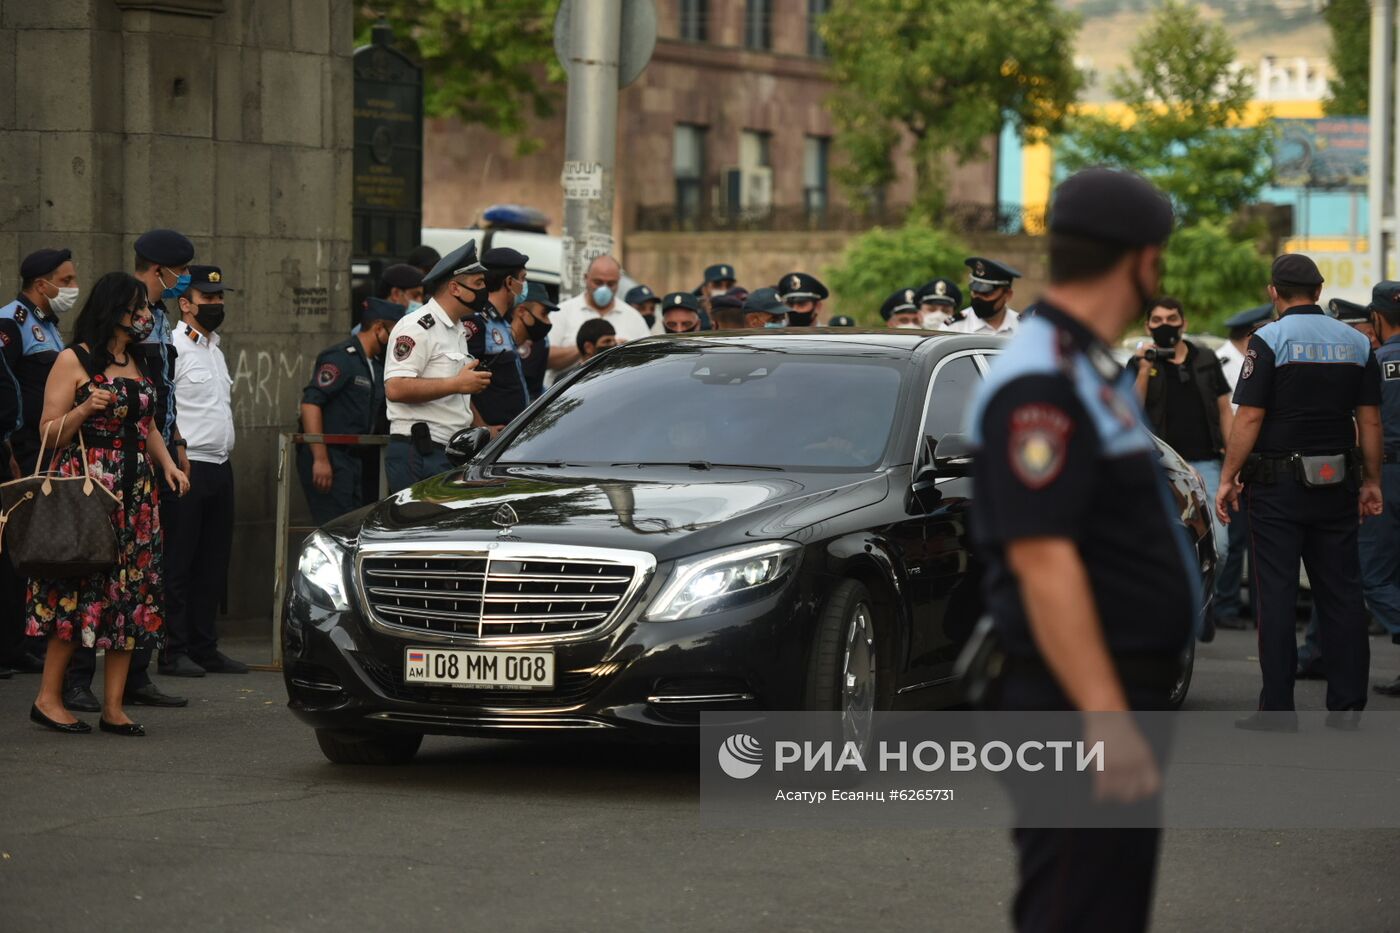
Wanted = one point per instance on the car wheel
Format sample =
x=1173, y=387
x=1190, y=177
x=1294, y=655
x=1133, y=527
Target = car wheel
x=1183, y=680
x=845, y=673
x=361, y=748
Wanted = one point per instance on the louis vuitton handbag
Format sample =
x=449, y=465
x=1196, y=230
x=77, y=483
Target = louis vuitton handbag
x=58, y=526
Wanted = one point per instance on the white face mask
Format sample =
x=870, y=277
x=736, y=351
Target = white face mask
x=413, y=306
x=64, y=301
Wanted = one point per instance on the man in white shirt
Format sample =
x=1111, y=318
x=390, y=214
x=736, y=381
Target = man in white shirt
x=200, y=542
x=990, y=311
x=429, y=371
x=598, y=300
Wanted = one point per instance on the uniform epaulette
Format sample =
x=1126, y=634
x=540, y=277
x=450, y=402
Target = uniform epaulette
x=426, y=321
x=21, y=313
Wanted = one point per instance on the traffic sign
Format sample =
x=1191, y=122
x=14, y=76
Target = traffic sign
x=637, y=42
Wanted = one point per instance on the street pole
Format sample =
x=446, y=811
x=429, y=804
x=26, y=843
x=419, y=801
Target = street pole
x=590, y=139
x=1384, y=160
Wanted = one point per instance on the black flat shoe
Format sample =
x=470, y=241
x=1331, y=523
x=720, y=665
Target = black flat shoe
x=131, y=728
x=67, y=728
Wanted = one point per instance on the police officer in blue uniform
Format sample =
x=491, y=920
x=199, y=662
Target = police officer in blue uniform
x=1309, y=392
x=345, y=396
x=530, y=325
x=1091, y=611
x=645, y=301
x=491, y=340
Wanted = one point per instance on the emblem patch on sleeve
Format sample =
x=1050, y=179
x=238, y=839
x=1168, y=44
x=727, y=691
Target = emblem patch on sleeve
x=1039, y=442
x=1247, y=369
x=327, y=374
x=38, y=333
x=403, y=347
x=471, y=327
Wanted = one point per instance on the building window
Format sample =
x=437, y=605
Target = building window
x=690, y=171
x=758, y=25
x=816, y=9
x=695, y=19
x=816, y=158
x=755, y=148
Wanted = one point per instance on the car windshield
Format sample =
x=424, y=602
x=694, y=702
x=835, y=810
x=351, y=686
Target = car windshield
x=711, y=407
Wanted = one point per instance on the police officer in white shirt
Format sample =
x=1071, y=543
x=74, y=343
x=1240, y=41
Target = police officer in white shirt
x=200, y=543
x=990, y=312
x=429, y=372
x=598, y=300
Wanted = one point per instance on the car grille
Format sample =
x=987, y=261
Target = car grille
x=496, y=594
x=570, y=689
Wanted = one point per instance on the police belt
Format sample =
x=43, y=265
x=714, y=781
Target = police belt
x=1145, y=671
x=1270, y=468
x=409, y=440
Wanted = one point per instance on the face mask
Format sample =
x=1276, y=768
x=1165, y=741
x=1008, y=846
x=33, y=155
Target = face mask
x=413, y=306
x=1166, y=335
x=538, y=330
x=64, y=301
x=775, y=325
x=141, y=326
x=801, y=318
x=479, y=301
x=171, y=292
x=650, y=319
x=983, y=308
x=602, y=296
x=908, y=326
x=209, y=317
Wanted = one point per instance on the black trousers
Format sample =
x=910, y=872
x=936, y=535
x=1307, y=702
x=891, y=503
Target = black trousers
x=1072, y=880
x=196, y=561
x=1289, y=522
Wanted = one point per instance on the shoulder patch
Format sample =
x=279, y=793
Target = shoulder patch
x=1039, y=441
x=21, y=313
x=4, y=339
x=403, y=347
x=327, y=374
x=427, y=321
x=1390, y=369
x=1247, y=369
x=524, y=350
x=471, y=327
x=38, y=333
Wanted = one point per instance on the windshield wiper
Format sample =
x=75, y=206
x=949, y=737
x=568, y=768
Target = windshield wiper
x=556, y=464
x=698, y=465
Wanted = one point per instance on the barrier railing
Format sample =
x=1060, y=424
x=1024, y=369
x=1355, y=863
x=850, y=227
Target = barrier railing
x=286, y=471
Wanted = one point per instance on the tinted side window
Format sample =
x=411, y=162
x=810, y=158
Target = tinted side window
x=953, y=388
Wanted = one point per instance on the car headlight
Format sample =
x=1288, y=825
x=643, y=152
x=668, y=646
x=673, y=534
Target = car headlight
x=321, y=570
x=704, y=583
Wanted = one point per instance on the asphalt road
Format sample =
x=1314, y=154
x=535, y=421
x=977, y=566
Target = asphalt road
x=226, y=817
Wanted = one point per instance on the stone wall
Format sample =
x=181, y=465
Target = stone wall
x=229, y=120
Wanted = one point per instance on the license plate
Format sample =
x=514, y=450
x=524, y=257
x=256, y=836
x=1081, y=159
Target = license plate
x=502, y=670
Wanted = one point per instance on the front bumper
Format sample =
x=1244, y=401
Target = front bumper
x=635, y=676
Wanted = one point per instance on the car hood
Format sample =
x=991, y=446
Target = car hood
x=666, y=512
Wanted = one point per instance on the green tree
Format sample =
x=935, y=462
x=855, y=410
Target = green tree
x=489, y=62
x=1350, y=23
x=945, y=74
x=878, y=261
x=1214, y=273
x=1186, y=107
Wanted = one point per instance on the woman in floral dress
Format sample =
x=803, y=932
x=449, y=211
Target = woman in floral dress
x=97, y=389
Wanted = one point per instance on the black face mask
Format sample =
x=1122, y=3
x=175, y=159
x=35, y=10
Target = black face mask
x=983, y=308
x=538, y=330
x=650, y=319
x=1166, y=336
x=481, y=300
x=800, y=318
x=209, y=317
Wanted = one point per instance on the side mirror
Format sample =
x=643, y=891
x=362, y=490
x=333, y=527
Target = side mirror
x=466, y=444
x=952, y=455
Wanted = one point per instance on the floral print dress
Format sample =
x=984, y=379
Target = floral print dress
x=121, y=608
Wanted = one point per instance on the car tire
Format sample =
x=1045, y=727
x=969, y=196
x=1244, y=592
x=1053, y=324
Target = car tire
x=1183, y=682
x=360, y=748
x=848, y=643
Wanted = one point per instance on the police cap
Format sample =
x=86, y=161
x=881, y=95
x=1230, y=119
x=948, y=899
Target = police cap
x=208, y=279
x=1295, y=269
x=726, y=301
x=1112, y=206
x=402, y=276
x=461, y=261
x=639, y=296
x=382, y=309
x=165, y=248
x=940, y=292
x=39, y=264
x=988, y=275
x=1250, y=317
x=842, y=320
x=906, y=299
x=503, y=257
x=765, y=300
x=800, y=285
x=721, y=272
x=680, y=300
x=1348, y=312
x=1385, y=296
x=536, y=293
x=423, y=257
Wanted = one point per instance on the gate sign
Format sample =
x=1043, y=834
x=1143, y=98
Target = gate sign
x=388, y=184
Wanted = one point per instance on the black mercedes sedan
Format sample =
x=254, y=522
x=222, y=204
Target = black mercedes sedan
x=754, y=520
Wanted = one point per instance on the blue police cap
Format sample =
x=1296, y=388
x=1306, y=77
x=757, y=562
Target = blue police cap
x=165, y=248
x=1112, y=206
x=503, y=257
x=988, y=275
x=1348, y=312
x=40, y=263
x=402, y=276
x=940, y=292
x=382, y=309
x=906, y=299
x=640, y=296
x=721, y=272
x=1385, y=296
x=680, y=300
x=208, y=279
x=461, y=261
x=536, y=292
x=1250, y=317
x=765, y=300
x=842, y=320
x=801, y=286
